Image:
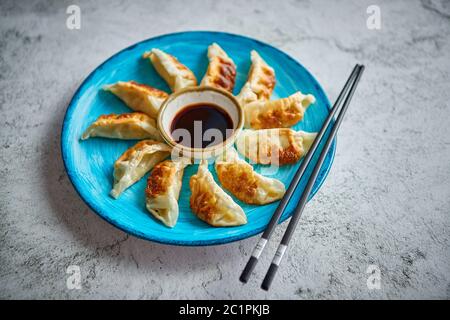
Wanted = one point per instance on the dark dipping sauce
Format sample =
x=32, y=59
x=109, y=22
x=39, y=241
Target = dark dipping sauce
x=197, y=119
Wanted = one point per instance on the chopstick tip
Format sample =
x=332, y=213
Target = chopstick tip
x=243, y=278
x=248, y=269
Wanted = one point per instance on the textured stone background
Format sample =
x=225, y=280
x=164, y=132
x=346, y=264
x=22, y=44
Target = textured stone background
x=386, y=201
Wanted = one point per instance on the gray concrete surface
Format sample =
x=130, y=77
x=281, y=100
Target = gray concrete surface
x=386, y=201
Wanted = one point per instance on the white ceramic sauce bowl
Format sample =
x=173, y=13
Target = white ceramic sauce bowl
x=196, y=95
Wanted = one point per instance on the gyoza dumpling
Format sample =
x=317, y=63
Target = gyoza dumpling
x=238, y=177
x=221, y=71
x=134, y=163
x=163, y=189
x=138, y=97
x=274, y=146
x=210, y=203
x=125, y=126
x=281, y=113
x=260, y=82
x=177, y=75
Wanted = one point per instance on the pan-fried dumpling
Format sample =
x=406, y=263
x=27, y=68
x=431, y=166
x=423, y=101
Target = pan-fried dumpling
x=274, y=146
x=163, y=189
x=210, y=203
x=221, y=71
x=125, y=126
x=281, y=113
x=260, y=82
x=139, y=97
x=238, y=177
x=136, y=162
x=177, y=75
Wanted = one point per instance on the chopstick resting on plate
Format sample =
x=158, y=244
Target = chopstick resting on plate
x=347, y=94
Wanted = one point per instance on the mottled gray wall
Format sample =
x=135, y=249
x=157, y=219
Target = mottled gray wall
x=386, y=201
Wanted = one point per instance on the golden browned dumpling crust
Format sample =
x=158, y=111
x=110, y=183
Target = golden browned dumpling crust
x=210, y=203
x=154, y=92
x=260, y=82
x=176, y=74
x=138, y=97
x=221, y=71
x=160, y=179
x=136, y=125
x=239, y=177
x=238, y=180
x=131, y=152
x=274, y=146
x=281, y=113
x=163, y=190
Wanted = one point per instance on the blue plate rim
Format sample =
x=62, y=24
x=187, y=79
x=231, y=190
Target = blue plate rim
x=98, y=211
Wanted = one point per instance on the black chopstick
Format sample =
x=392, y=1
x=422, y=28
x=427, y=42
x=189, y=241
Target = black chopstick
x=306, y=192
x=297, y=177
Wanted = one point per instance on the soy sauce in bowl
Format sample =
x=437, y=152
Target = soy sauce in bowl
x=201, y=125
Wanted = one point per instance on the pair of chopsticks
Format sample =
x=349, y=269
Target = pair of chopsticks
x=347, y=94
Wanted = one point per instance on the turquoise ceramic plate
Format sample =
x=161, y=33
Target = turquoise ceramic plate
x=89, y=164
